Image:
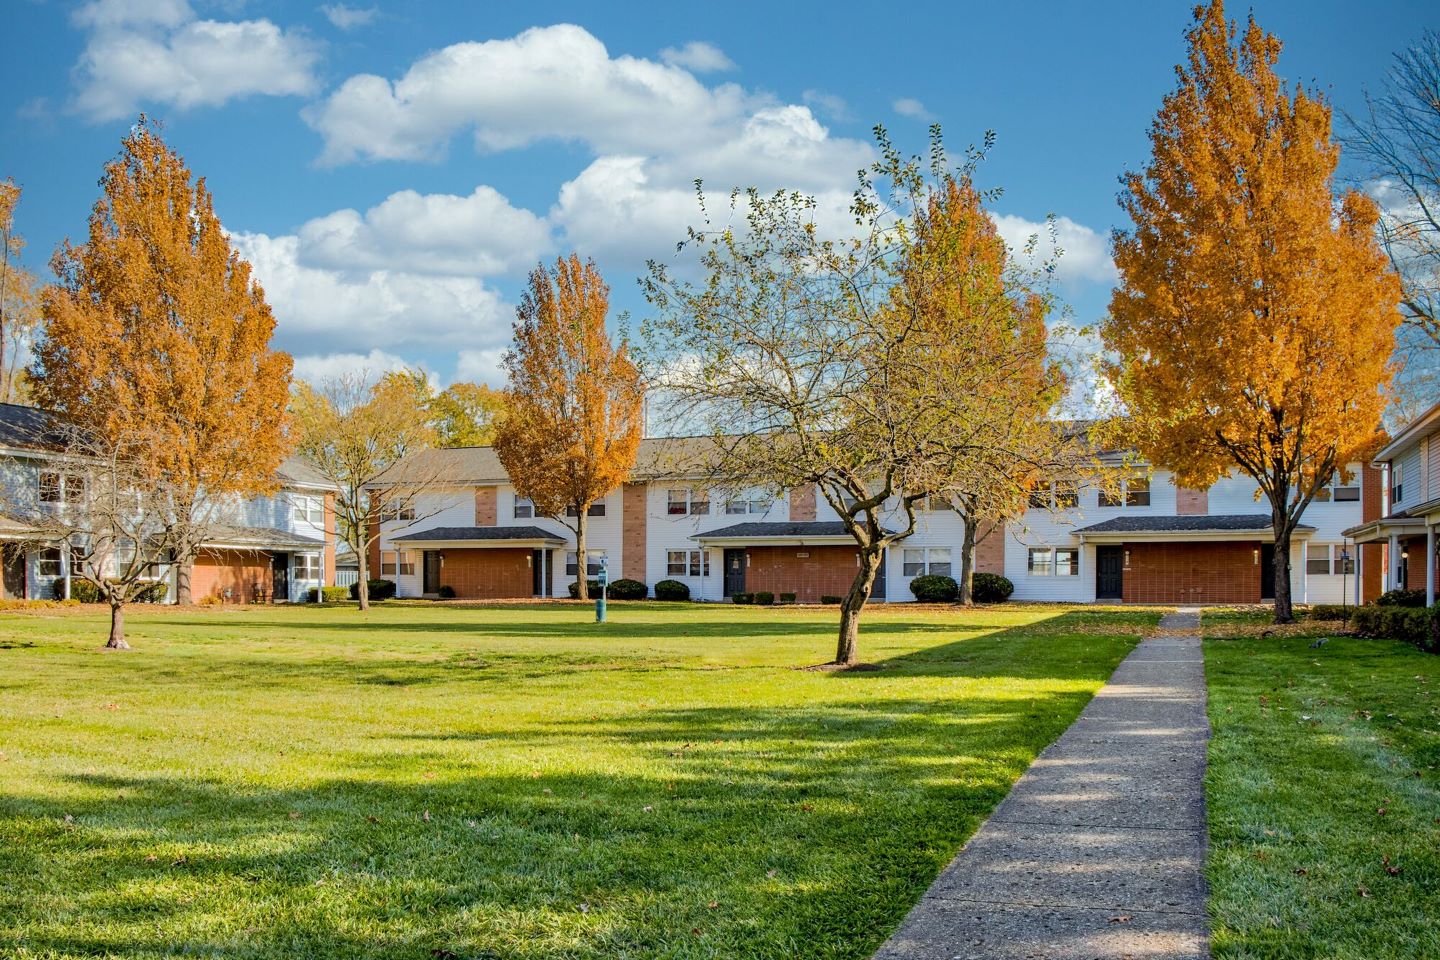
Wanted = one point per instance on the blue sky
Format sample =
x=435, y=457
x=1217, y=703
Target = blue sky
x=393, y=169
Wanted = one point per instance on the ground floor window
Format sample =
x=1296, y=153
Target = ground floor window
x=1322, y=559
x=687, y=563
x=48, y=562
x=919, y=561
x=592, y=563
x=387, y=563
x=307, y=566
x=1054, y=562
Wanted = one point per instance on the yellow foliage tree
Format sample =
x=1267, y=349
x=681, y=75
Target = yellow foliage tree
x=1256, y=316
x=465, y=414
x=574, y=402
x=19, y=301
x=156, y=328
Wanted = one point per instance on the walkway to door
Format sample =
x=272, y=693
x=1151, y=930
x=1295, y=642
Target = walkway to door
x=1099, y=850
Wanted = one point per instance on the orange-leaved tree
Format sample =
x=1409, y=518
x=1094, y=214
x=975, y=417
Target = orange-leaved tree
x=156, y=328
x=19, y=301
x=1256, y=315
x=574, y=401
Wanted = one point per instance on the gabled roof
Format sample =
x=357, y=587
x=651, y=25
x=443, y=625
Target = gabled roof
x=31, y=428
x=297, y=471
x=1190, y=523
x=1411, y=431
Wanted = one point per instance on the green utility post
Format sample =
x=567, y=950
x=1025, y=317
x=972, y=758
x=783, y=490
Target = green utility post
x=600, y=600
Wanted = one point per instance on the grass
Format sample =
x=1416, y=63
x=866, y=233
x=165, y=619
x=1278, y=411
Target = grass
x=1324, y=798
x=485, y=782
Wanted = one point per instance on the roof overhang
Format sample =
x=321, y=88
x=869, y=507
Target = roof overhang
x=796, y=540
x=1189, y=536
x=1409, y=432
x=534, y=543
x=1385, y=528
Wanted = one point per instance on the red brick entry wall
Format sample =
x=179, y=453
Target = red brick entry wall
x=825, y=571
x=482, y=574
x=1192, y=573
x=238, y=571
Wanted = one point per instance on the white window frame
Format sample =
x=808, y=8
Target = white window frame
x=522, y=508
x=308, y=509
x=388, y=561
x=44, y=563
x=592, y=563
x=687, y=563
x=305, y=566
x=689, y=502
x=925, y=560
x=1047, y=562
x=742, y=506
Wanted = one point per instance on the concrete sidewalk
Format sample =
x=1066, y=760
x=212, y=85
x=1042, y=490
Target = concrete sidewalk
x=1099, y=850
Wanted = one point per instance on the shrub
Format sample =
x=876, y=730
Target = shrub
x=379, y=590
x=626, y=589
x=742, y=598
x=787, y=598
x=829, y=599
x=991, y=588
x=446, y=592
x=1414, y=625
x=331, y=594
x=934, y=588
x=574, y=589
x=1401, y=598
x=1329, y=611
x=764, y=598
x=80, y=590
x=671, y=590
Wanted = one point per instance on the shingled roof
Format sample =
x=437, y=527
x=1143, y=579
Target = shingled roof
x=30, y=428
x=1219, y=523
x=453, y=534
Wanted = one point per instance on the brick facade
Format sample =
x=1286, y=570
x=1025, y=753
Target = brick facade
x=1191, y=502
x=1196, y=572
x=632, y=531
x=807, y=572
x=1372, y=555
x=802, y=503
x=1415, y=565
x=238, y=571
x=486, y=510
x=330, y=539
x=989, y=552
x=503, y=573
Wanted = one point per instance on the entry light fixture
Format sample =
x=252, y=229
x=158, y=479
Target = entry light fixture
x=1127, y=559
x=1255, y=554
x=1405, y=553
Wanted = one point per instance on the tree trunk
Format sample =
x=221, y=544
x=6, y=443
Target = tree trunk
x=582, y=565
x=362, y=591
x=1284, y=603
x=117, y=627
x=183, y=572
x=966, y=595
x=847, y=647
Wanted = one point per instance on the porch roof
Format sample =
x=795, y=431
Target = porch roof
x=760, y=532
x=481, y=537
x=1226, y=526
x=1397, y=524
x=260, y=538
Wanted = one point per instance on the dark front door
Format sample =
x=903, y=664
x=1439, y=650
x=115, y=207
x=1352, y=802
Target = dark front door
x=1109, y=572
x=734, y=572
x=877, y=592
x=1267, y=571
x=431, y=582
x=280, y=576
x=12, y=587
x=537, y=572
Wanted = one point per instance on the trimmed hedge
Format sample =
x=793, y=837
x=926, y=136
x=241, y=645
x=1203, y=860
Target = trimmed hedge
x=1401, y=598
x=829, y=599
x=379, y=590
x=934, y=588
x=1330, y=611
x=626, y=589
x=83, y=591
x=742, y=598
x=446, y=592
x=991, y=588
x=1419, y=626
x=671, y=590
x=331, y=594
x=764, y=598
x=787, y=598
x=574, y=589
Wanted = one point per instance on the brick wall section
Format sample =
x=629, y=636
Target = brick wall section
x=1372, y=555
x=827, y=570
x=372, y=549
x=1192, y=573
x=989, y=552
x=484, y=574
x=1191, y=502
x=802, y=503
x=330, y=539
x=1415, y=564
x=238, y=571
x=486, y=510
x=632, y=531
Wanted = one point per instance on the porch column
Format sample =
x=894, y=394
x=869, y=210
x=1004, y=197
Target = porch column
x=1304, y=571
x=1359, y=571
x=1392, y=571
x=1429, y=564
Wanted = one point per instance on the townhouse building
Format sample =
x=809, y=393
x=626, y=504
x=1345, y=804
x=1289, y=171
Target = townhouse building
x=265, y=548
x=1155, y=542
x=1398, y=538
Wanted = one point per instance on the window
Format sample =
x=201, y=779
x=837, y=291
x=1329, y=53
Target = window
x=48, y=564
x=1397, y=483
x=524, y=508
x=596, y=509
x=1057, y=494
x=74, y=489
x=1067, y=562
x=1317, y=559
x=405, y=513
x=387, y=563
x=1109, y=498
x=753, y=504
x=932, y=503
x=1054, y=562
x=307, y=566
x=310, y=510
x=1137, y=492
x=56, y=487
x=405, y=564
x=592, y=563
x=1347, y=492
x=1067, y=495
x=1339, y=492
x=1042, y=562
x=687, y=563
x=49, y=487
x=683, y=500
x=1040, y=497
x=919, y=561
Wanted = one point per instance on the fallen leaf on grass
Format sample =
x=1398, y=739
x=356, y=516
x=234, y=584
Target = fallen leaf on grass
x=1121, y=919
x=1363, y=890
x=713, y=904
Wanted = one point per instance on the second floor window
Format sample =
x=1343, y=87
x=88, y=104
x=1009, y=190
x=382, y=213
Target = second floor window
x=682, y=501
x=597, y=509
x=403, y=512
x=1135, y=493
x=56, y=487
x=524, y=508
x=1397, y=483
x=308, y=510
x=744, y=505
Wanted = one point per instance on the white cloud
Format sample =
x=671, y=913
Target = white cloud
x=318, y=367
x=910, y=107
x=830, y=104
x=158, y=52
x=321, y=310
x=1084, y=253
x=428, y=233
x=481, y=366
x=348, y=18
x=698, y=56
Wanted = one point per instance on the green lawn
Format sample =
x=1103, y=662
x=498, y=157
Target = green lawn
x=1324, y=797
x=448, y=782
